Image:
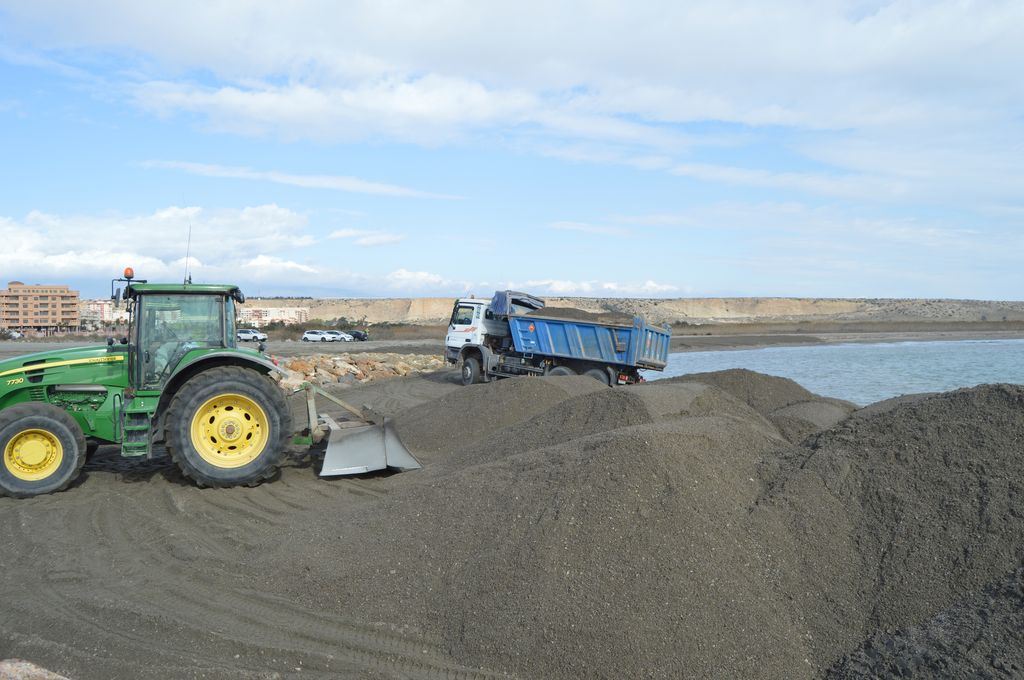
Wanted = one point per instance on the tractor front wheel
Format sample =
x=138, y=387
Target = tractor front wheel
x=228, y=426
x=43, y=449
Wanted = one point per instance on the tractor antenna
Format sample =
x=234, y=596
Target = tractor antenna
x=188, y=249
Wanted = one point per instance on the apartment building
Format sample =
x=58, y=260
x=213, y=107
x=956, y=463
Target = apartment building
x=44, y=308
x=95, y=314
x=261, y=316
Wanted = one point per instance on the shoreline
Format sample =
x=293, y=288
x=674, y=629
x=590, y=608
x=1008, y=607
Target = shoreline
x=710, y=342
x=714, y=343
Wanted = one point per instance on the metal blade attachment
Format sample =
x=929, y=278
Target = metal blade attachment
x=357, y=450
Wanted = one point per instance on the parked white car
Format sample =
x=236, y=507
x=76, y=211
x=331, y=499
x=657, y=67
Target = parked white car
x=316, y=336
x=339, y=336
x=251, y=335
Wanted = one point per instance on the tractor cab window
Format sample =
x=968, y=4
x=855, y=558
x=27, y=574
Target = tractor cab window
x=172, y=325
x=229, y=321
x=463, y=315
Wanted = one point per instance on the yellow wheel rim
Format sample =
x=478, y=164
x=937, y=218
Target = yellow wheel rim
x=229, y=430
x=32, y=455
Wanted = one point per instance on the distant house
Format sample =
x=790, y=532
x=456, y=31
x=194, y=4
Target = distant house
x=98, y=313
x=45, y=308
x=257, y=317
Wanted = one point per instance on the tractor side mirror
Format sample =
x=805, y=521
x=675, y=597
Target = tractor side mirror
x=124, y=341
x=116, y=297
x=110, y=342
x=262, y=347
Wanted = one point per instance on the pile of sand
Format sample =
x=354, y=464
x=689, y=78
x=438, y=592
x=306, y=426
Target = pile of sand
x=573, y=314
x=674, y=529
x=981, y=636
x=900, y=511
x=727, y=525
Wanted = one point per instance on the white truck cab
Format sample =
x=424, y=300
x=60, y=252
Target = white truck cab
x=466, y=327
x=476, y=333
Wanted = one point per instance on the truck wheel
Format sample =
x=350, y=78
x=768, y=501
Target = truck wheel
x=228, y=426
x=470, y=370
x=597, y=374
x=561, y=370
x=43, y=449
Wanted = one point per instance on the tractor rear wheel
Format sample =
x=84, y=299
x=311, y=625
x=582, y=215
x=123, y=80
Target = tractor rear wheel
x=43, y=449
x=228, y=426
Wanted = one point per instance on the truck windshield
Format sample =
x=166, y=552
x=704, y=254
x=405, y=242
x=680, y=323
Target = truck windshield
x=170, y=326
x=463, y=315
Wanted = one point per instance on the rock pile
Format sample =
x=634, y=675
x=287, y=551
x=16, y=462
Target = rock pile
x=355, y=369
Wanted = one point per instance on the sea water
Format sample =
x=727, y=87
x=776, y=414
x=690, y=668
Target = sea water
x=866, y=373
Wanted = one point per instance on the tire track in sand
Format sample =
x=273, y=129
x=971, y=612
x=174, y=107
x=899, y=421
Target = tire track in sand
x=156, y=579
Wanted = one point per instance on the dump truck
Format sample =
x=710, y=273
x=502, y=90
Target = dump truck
x=510, y=335
x=178, y=379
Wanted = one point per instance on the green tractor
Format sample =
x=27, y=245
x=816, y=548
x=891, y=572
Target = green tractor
x=178, y=378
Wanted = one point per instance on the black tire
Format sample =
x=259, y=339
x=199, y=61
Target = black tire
x=597, y=374
x=305, y=339
x=561, y=370
x=323, y=339
x=205, y=391
x=59, y=427
x=470, y=370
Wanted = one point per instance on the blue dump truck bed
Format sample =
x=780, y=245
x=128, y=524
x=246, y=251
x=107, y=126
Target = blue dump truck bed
x=637, y=346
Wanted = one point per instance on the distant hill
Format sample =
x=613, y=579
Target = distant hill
x=432, y=311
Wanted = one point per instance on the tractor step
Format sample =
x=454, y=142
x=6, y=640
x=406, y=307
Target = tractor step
x=135, y=440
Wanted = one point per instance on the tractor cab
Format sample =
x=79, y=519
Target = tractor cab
x=169, y=325
x=167, y=322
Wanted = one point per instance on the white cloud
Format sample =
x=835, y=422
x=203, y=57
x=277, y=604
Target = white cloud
x=269, y=265
x=645, y=288
x=589, y=228
x=425, y=110
x=894, y=101
x=407, y=280
x=366, y=237
x=335, y=182
x=793, y=63
x=596, y=288
x=43, y=245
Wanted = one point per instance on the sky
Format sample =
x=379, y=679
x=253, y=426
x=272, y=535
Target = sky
x=835, y=148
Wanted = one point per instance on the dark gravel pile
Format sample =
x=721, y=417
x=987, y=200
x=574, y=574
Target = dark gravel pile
x=573, y=314
x=979, y=637
x=724, y=525
x=672, y=530
x=899, y=512
x=616, y=554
